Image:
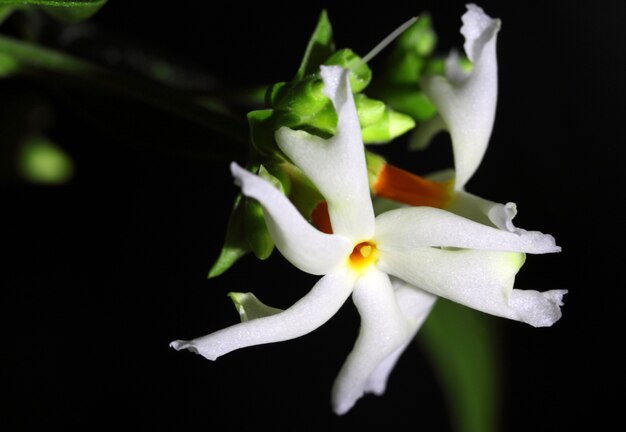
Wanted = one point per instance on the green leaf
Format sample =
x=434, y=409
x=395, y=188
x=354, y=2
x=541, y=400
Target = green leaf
x=67, y=11
x=360, y=72
x=41, y=161
x=319, y=48
x=462, y=345
x=235, y=245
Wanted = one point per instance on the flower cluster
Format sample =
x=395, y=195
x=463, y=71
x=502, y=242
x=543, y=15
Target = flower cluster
x=395, y=264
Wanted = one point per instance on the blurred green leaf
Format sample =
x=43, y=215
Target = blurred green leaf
x=319, y=48
x=61, y=70
x=8, y=66
x=41, y=161
x=67, y=11
x=5, y=11
x=463, y=347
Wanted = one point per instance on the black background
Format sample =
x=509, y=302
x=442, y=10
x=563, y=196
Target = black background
x=102, y=273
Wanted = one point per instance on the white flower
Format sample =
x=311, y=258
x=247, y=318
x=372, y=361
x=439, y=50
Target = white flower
x=378, y=260
x=466, y=102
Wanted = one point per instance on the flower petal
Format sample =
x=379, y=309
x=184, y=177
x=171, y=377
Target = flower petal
x=416, y=305
x=482, y=280
x=415, y=227
x=467, y=102
x=304, y=316
x=250, y=307
x=337, y=165
x=484, y=211
x=383, y=330
x=304, y=246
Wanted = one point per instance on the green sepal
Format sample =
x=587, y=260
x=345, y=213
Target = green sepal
x=250, y=307
x=235, y=244
x=282, y=183
x=375, y=163
x=303, y=193
x=255, y=230
x=360, y=73
x=390, y=126
x=319, y=48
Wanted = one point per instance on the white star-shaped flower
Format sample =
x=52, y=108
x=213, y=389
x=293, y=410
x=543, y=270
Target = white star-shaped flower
x=379, y=261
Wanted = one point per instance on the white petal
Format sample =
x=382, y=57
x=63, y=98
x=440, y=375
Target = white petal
x=482, y=280
x=484, y=211
x=415, y=304
x=304, y=316
x=414, y=227
x=250, y=307
x=468, y=103
x=310, y=250
x=337, y=165
x=383, y=330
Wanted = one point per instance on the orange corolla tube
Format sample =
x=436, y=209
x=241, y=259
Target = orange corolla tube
x=321, y=218
x=402, y=186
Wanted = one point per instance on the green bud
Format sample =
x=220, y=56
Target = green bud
x=41, y=161
x=360, y=73
x=392, y=125
x=369, y=110
x=420, y=38
x=412, y=101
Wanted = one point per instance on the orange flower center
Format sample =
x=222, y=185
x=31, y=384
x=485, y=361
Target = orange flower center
x=363, y=255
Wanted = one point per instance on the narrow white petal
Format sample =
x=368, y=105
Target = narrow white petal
x=337, y=165
x=467, y=102
x=310, y=250
x=415, y=227
x=484, y=211
x=250, y=307
x=383, y=330
x=482, y=280
x=304, y=316
x=415, y=304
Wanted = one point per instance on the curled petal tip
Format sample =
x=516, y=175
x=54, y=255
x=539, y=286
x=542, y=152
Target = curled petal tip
x=539, y=309
x=182, y=344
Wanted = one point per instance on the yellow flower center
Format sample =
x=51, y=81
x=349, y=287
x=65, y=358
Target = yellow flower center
x=363, y=255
